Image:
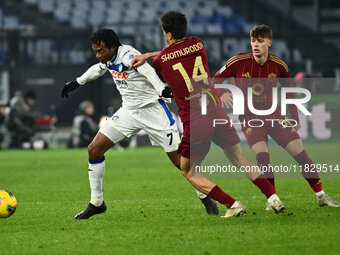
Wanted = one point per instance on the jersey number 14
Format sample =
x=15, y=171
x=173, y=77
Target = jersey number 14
x=198, y=74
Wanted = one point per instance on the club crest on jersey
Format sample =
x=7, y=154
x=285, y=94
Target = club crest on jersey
x=258, y=89
x=115, y=118
x=272, y=75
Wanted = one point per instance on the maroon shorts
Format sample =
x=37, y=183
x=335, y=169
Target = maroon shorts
x=282, y=135
x=199, y=133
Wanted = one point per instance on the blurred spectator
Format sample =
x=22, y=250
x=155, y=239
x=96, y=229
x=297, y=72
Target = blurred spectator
x=21, y=119
x=84, y=128
x=3, y=118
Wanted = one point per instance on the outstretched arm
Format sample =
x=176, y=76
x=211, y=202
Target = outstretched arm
x=93, y=73
x=139, y=60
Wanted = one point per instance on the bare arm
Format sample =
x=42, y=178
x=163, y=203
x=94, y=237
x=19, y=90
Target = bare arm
x=141, y=59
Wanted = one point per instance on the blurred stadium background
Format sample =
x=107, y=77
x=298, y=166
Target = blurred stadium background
x=43, y=44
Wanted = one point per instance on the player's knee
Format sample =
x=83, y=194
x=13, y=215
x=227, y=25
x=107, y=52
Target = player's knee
x=238, y=160
x=93, y=151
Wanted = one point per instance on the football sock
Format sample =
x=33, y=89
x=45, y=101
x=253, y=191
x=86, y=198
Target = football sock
x=312, y=177
x=264, y=185
x=96, y=173
x=319, y=193
x=200, y=194
x=272, y=198
x=217, y=194
x=264, y=164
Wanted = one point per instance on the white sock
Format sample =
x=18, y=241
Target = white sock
x=96, y=173
x=235, y=204
x=200, y=194
x=319, y=193
x=272, y=198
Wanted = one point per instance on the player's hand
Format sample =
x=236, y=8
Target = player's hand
x=227, y=100
x=167, y=92
x=298, y=126
x=138, y=60
x=69, y=86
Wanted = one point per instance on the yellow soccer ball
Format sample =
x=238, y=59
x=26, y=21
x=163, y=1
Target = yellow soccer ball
x=8, y=204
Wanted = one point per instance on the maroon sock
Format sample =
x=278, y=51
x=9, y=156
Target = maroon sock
x=217, y=194
x=264, y=185
x=264, y=164
x=308, y=170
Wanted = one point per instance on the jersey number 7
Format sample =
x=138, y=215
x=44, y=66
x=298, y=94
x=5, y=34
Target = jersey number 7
x=198, y=68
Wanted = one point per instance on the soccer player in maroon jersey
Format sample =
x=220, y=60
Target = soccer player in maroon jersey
x=261, y=70
x=183, y=65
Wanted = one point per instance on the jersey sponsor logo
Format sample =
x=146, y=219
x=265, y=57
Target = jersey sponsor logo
x=121, y=84
x=272, y=75
x=182, y=52
x=115, y=118
x=246, y=75
x=118, y=75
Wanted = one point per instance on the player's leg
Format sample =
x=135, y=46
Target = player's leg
x=238, y=159
x=227, y=138
x=96, y=150
x=296, y=150
x=257, y=139
x=162, y=130
x=260, y=149
x=287, y=137
x=208, y=187
x=110, y=133
x=210, y=205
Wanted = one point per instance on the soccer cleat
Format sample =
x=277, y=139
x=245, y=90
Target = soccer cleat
x=237, y=210
x=210, y=205
x=325, y=200
x=277, y=206
x=90, y=210
x=268, y=208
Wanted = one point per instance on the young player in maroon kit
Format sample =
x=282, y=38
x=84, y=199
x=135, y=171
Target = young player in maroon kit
x=183, y=65
x=261, y=70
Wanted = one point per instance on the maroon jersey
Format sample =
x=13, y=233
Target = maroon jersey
x=184, y=67
x=262, y=78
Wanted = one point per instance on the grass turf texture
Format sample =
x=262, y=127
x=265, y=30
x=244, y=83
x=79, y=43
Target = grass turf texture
x=153, y=210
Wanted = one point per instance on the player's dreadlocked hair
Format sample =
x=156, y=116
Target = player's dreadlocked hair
x=175, y=23
x=107, y=36
x=262, y=31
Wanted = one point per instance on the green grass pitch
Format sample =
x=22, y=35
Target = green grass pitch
x=153, y=210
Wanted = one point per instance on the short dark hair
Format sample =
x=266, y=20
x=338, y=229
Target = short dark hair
x=262, y=31
x=107, y=36
x=175, y=23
